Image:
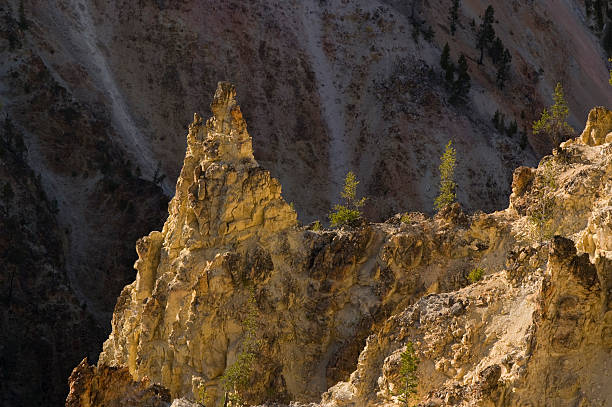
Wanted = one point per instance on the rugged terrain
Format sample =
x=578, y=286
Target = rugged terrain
x=332, y=310
x=94, y=94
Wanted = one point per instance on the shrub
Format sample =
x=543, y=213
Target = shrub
x=407, y=218
x=476, y=274
x=349, y=213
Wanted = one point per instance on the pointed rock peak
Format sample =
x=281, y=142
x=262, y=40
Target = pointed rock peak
x=224, y=100
x=222, y=194
x=225, y=136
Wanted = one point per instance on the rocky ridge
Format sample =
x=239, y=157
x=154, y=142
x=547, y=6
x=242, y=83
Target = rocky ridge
x=334, y=308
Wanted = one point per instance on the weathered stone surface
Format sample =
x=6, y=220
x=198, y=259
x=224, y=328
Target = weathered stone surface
x=318, y=295
x=333, y=310
x=92, y=386
x=598, y=128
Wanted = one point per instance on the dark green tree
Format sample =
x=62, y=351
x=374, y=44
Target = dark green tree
x=449, y=75
x=496, y=117
x=23, y=22
x=486, y=33
x=496, y=50
x=7, y=196
x=512, y=129
x=445, y=57
x=503, y=68
x=453, y=16
x=463, y=83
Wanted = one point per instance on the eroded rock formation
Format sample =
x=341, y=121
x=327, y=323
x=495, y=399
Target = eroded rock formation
x=334, y=309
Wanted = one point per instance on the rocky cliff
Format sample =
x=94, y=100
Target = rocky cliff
x=328, y=312
x=100, y=90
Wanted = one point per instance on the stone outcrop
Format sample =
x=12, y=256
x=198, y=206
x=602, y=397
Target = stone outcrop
x=598, y=128
x=537, y=333
x=92, y=386
x=330, y=312
x=317, y=294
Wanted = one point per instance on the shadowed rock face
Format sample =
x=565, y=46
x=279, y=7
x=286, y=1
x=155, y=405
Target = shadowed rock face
x=333, y=310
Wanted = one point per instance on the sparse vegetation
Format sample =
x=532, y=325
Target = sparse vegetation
x=202, y=397
x=447, y=194
x=541, y=211
x=476, y=274
x=236, y=377
x=406, y=217
x=316, y=226
x=409, y=365
x=349, y=213
x=553, y=121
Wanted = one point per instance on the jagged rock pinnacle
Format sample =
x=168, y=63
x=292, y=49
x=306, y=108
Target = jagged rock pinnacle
x=225, y=136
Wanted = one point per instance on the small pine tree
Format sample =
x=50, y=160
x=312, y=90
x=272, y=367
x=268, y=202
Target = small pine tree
x=237, y=376
x=503, y=68
x=23, y=22
x=486, y=32
x=461, y=86
x=496, y=51
x=496, y=119
x=553, y=121
x=447, y=194
x=453, y=16
x=408, y=368
x=445, y=57
x=512, y=129
x=349, y=213
x=449, y=75
x=429, y=34
x=7, y=196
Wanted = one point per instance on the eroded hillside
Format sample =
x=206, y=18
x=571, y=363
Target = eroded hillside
x=332, y=310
